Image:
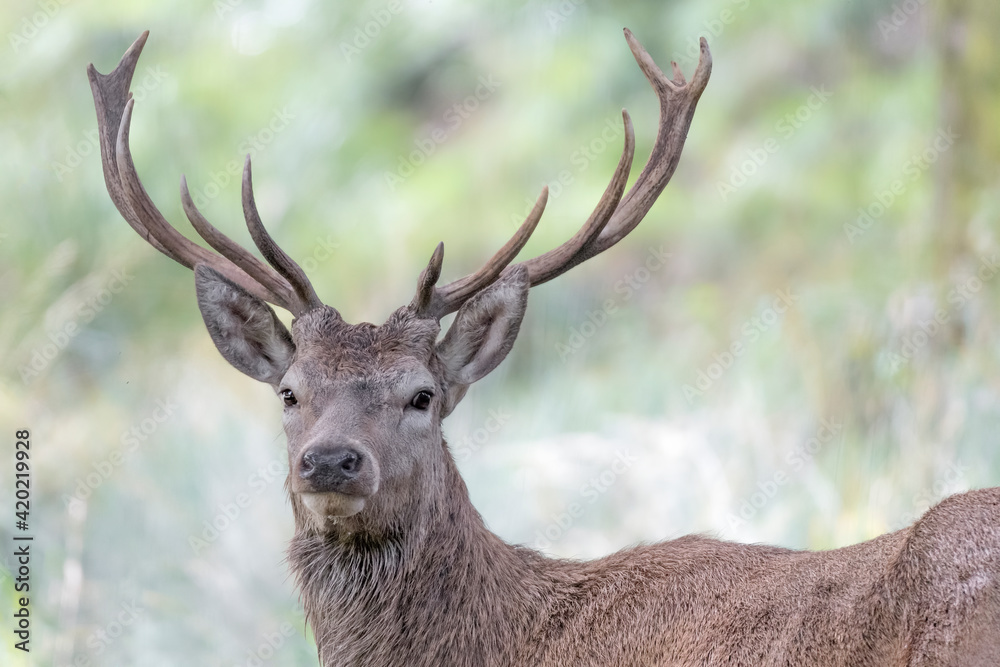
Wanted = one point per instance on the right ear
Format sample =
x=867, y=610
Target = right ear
x=246, y=330
x=483, y=333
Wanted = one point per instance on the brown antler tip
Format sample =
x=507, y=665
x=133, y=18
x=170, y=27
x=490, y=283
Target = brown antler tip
x=433, y=271
x=700, y=77
x=647, y=64
x=633, y=43
x=139, y=42
x=121, y=144
x=248, y=199
x=129, y=58
x=678, y=73
x=627, y=120
x=185, y=193
x=437, y=261
x=528, y=226
x=428, y=279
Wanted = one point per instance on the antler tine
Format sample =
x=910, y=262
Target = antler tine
x=275, y=256
x=678, y=99
x=437, y=302
x=236, y=253
x=111, y=93
x=425, y=283
x=558, y=260
x=614, y=217
x=156, y=226
x=114, y=104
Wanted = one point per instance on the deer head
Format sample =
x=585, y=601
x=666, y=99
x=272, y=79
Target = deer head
x=393, y=562
x=362, y=403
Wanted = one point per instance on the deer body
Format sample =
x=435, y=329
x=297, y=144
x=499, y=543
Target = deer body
x=394, y=564
x=419, y=574
x=451, y=593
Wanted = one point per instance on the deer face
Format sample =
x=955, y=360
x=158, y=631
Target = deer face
x=363, y=404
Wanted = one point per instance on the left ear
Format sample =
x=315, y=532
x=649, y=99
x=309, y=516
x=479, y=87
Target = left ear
x=246, y=330
x=483, y=333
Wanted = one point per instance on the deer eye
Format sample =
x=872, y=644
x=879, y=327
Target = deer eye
x=422, y=400
x=288, y=397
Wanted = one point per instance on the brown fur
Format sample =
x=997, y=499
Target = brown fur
x=433, y=586
x=395, y=565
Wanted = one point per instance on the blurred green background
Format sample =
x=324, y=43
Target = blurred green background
x=815, y=364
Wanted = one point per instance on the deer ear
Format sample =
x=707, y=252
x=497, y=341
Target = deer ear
x=483, y=332
x=246, y=330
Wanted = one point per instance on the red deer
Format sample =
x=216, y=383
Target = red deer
x=394, y=564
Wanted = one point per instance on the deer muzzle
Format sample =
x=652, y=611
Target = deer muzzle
x=335, y=479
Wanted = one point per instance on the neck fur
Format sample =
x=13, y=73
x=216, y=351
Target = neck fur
x=440, y=587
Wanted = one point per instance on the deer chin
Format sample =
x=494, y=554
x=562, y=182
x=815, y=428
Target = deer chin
x=332, y=505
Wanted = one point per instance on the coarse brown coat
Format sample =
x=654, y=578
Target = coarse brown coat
x=395, y=565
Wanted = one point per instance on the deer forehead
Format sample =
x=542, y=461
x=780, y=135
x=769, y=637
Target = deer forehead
x=367, y=358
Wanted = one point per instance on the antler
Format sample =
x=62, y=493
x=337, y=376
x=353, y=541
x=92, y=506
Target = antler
x=285, y=285
x=614, y=216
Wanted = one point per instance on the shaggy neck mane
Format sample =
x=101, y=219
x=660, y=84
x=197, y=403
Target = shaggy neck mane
x=440, y=586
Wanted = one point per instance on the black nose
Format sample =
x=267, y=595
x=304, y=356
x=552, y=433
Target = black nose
x=331, y=468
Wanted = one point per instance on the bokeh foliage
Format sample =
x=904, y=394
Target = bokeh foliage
x=814, y=113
